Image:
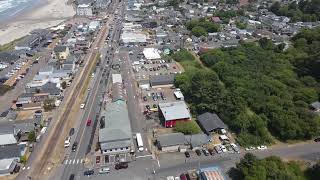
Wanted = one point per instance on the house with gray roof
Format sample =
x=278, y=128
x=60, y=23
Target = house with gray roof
x=116, y=137
x=9, y=158
x=315, y=106
x=69, y=64
x=8, y=135
x=51, y=89
x=197, y=141
x=210, y=122
x=171, y=142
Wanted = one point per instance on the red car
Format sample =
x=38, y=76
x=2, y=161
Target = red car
x=97, y=159
x=89, y=122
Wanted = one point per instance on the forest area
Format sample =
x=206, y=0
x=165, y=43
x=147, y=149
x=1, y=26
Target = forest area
x=260, y=91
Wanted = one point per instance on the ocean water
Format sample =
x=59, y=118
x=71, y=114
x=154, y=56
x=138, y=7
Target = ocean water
x=12, y=8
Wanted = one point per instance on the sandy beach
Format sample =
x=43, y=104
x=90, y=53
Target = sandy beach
x=50, y=14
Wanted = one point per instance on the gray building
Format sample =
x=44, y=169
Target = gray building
x=162, y=80
x=171, y=142
x=116, y=137
x=9, y=158
x=210, y=122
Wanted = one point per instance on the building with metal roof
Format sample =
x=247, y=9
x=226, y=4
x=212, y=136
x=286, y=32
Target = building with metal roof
x=116, y=137
x=162, y=80
x=171, y=142
x=210, y=122
x=7, y=134
x=151, y=53
x=117, y=92
x=116, y=78
x=211, y=173
x=172, y=112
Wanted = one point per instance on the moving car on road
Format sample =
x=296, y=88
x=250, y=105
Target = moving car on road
x=88, y=172
x=89, y=121
x=67, y=142
x=187, y=154
x=74, y=146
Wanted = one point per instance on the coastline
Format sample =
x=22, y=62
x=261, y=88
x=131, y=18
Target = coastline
x=42, y=15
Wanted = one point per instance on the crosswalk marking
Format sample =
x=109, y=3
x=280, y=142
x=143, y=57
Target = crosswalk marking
x=73, y=161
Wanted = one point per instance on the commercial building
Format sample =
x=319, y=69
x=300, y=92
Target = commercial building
x=151, y=53
x=116, y=138
x=84, y=10
x=162, y=80
x=172, y=142
x=116, y=78
x=172, y=112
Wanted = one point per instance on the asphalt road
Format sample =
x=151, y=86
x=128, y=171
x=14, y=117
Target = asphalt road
x=74, y=163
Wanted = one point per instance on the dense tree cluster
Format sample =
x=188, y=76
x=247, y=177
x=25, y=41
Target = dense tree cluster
x=251, y=168
x=255, y=89
x=226, y=15
x=305, y=10
x=202, y=27
x=306, y=53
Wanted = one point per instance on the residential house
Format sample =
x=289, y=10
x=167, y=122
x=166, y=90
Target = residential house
x=69, y=64
x=210, y=122
x=315, y=106
x=61, y=52
x=197, y=141
x=9, y=158
x=8, y=135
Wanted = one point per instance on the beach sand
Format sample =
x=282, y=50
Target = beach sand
x=50, y=14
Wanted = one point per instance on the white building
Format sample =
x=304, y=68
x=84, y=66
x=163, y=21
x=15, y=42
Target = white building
x=84, y=10
x=151, y=53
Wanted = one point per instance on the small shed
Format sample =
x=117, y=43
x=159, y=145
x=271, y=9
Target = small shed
x=210, y=122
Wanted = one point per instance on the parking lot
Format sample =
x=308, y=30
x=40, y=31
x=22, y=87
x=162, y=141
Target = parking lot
x=154, y=96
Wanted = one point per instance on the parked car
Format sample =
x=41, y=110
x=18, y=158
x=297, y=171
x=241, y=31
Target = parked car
x=97, y=159
x=104, y=170
x=262, y=147
x=218, y=149
x=74, y=146
x=67, y=142
x=71, y=132
x=88, y=172
x=205, y=152
x=148, y=107
x=317, y=140
x=89, y=121
x=121, y=165
x=223, y=148
x=183, y=177
x=198, y=152
x=145, y=98
x=235, y=148
x=187, y=154
x=250, y=148
x=71, y=177
x=211, y=151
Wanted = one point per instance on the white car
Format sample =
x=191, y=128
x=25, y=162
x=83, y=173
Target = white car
x=250, y=148
x=82, y=106
x=104, y=170
x=262, y=147
x=235, y=148
x=67, y=142
x=223, y=148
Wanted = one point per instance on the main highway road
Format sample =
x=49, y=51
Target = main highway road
x=75, y=161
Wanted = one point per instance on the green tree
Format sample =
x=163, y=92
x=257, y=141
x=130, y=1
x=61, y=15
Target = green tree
x=313, y=173
x=187, y=127
x=64, y=85
x=48, y=104
x=199, y=31
x=32, y=136
x=23, y=159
